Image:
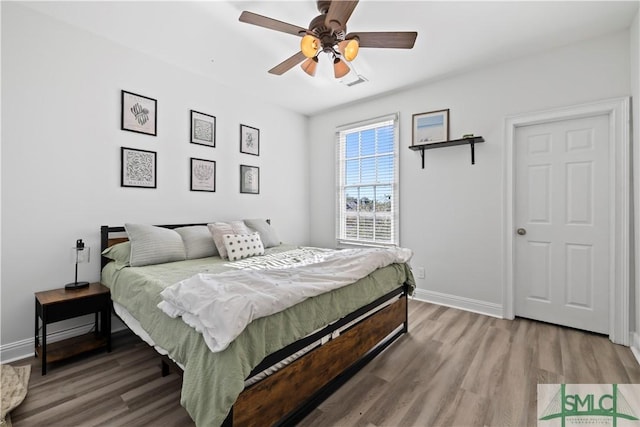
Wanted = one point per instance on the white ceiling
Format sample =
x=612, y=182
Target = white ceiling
x=453, y=36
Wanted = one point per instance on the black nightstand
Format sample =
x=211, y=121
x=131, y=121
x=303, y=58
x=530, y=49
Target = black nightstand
x=61, y=304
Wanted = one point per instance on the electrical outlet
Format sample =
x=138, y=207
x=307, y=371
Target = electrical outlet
x=420, y=272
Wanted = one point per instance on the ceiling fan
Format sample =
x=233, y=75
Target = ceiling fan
x=327, y=32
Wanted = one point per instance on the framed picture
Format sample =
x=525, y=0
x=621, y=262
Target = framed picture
x=431, y=127
x=249, y=179
x=203, y=175
x=249, y=140
x=139, y=113
x=203, y=129
x=138, y=168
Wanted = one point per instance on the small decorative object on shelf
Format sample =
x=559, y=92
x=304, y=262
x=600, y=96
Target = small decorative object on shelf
x=466, y=139
x=79, y=254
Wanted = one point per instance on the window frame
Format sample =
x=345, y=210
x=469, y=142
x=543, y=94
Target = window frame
x=341, y=186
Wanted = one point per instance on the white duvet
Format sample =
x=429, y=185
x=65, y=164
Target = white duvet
x=220, y=306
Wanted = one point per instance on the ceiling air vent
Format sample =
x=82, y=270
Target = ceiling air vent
x=356, y=79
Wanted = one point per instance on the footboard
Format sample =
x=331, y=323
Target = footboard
x=288, y=395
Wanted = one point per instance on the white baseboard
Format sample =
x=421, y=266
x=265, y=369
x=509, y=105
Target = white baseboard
x=25, y=348
x=462, y=303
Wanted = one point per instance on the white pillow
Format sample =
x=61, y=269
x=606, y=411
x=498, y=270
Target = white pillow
x=198, y=242
x=219, y=229
x=267, y=232
x=153, y=245
x=243, y=245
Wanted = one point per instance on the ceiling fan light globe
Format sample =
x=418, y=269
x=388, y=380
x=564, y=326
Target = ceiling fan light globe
x=349, y=49
x=309, y=45
x=309, y=66
x=340, y=68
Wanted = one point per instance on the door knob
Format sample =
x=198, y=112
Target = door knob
x=521, y=231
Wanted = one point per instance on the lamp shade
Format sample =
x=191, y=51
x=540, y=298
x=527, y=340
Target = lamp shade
x=349, y=49
x=79, y=254
x=309, y=45
x=340, y=69
x=309, y=66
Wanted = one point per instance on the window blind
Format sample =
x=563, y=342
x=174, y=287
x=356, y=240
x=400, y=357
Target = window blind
x=367, y=194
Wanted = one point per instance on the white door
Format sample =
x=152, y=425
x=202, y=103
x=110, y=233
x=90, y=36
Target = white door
x=562, y=220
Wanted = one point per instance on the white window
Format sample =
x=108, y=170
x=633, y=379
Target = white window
x=367, y=167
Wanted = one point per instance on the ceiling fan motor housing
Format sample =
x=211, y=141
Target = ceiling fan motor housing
x=328, y=38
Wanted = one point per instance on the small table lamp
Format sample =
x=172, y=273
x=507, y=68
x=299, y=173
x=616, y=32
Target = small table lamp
x=79, y=254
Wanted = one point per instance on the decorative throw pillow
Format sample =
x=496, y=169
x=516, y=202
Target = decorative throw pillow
x=120, y=253
x=153, y=245
x=243, y=245
x=219, y=229
x=268, y=234
x=198, y=242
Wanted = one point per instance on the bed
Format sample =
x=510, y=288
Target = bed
x=269, y=374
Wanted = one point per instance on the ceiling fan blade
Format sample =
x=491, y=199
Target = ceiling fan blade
x=392, y=40
x=339, y=13
x=272, y=24
x=288, y=64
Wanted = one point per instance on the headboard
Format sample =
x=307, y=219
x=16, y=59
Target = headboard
x=110, y=236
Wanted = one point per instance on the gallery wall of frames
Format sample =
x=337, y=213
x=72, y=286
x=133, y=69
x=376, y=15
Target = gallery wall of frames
x=138, y=167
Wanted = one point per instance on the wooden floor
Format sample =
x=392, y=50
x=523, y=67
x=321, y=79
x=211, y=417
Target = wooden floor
x=121, y=388
x=454, y=368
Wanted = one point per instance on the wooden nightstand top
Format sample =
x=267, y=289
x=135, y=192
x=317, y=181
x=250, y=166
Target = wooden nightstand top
x=61, y=295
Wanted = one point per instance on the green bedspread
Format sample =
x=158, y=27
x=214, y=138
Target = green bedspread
x=213, y=381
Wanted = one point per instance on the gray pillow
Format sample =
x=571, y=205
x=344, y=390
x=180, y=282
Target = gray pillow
x=268, y=234
x=198, y=242
x=120, y=253
x=154, y=245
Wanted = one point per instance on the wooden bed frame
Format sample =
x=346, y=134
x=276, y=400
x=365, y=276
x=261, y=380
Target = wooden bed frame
x=289, y=394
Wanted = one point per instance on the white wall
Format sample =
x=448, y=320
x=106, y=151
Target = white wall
x=452, y=212
x=61, y=142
